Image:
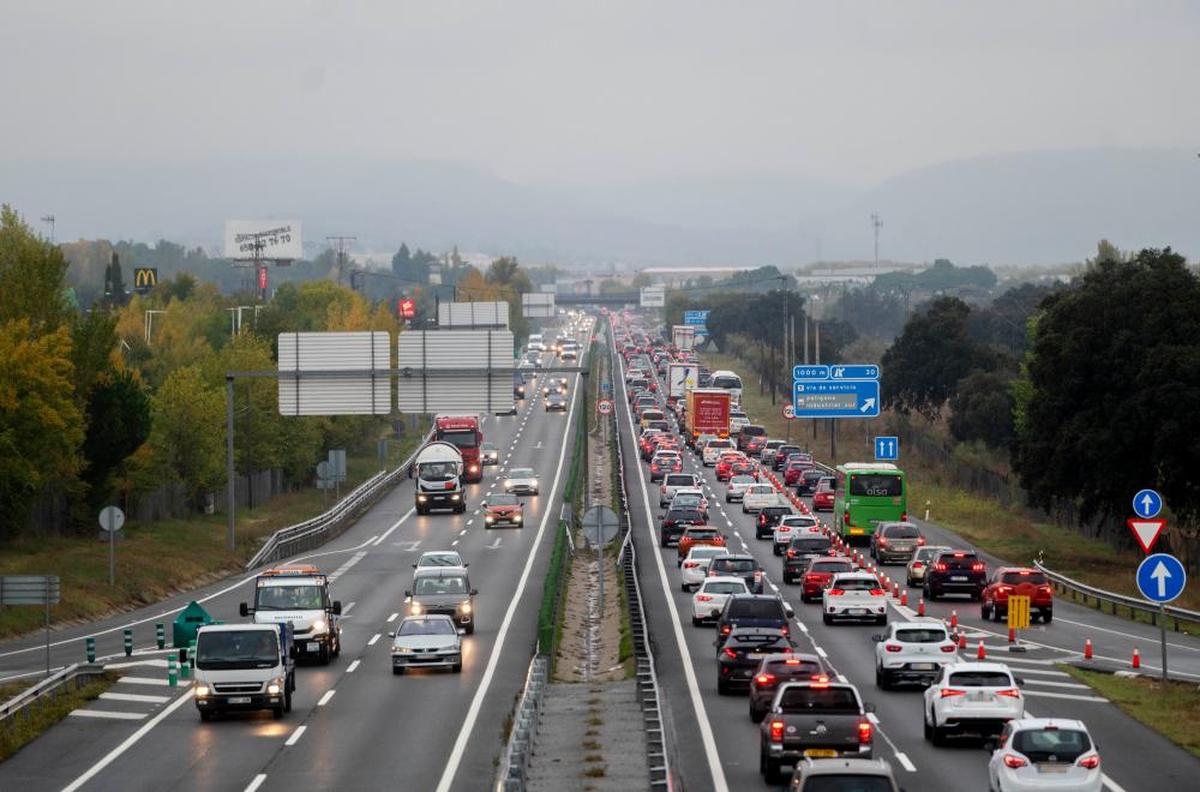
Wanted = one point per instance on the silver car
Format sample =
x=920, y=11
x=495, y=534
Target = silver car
x=920, y=562
x=895, y=542
x=426, y=642
x=521, y=481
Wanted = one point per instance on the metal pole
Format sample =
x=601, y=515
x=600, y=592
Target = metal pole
x=231, y=497
x=833, y=441
x=1162, y=626
x=48, y=627
x=112, y=550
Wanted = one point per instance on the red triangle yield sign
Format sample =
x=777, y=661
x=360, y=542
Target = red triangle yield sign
x=1146, y=532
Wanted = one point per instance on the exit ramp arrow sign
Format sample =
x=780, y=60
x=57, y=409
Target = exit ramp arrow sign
x=1146, y=532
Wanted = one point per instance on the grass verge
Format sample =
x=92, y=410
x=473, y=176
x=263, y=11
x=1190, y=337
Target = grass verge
x=18, y=730
x=1174, y=712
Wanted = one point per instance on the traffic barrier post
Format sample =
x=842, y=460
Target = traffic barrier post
x=128, y=641
x=160, y=635
x=89, y=649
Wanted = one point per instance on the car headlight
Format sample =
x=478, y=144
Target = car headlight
x=421, y=499
x=474, y=468
x=489, y=518
x=202, y=691
x=319, y=626
x=401, y=650
x=507, y=484
x=415, y=609
x=465, y=607
x=274, y=687
x=517, y=518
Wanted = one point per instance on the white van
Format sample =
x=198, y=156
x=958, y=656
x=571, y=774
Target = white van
x=727, y=380
x=535, y=343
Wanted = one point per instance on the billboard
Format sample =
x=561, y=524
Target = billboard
x=683, y=337
x=335, y=373
x=537, y=305
x=682, y=377
x=406, y=307
x=246, y=240
x=473, y=314
x=144, y=279
x=653, y=297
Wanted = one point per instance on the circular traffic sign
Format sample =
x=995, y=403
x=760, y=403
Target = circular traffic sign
x=604, y=406
x=112, y=518
x=789, y=411
x=1161, y=577
x=1147, y=503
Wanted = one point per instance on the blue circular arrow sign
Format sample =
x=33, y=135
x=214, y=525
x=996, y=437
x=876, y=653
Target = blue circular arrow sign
x=1147, y=503
x=1161, y=578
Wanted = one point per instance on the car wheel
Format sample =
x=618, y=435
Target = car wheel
x=277, y=712
x=939, y=736
x=997, y=615
x=722, y=688
x=456, y=668
x=775, y=549
x=697, y=622
x=685, y=588
x=397, y=670
x=976, y=595
x=928, y=729
x=929, y=595
x=470, y=628
x=323, y=656
x=771, y=771
x=287, y=700
x=662, y=541
x=985, y=613
x=1047, y=616
x=880, y=680
x=206, y=715
x=825, y=617
x=756, y=715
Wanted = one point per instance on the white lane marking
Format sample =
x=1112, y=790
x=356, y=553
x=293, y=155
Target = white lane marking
x=905, y=762
x=348, y=607
x=82, y=713
x=1125, y=634
x=132, y=663
x=129, y=741
x=345, y=567
x=821, y=652
x=135, y=697
x=463, y=531
x=256, y=783
x=455, y=542
x=469, y=522
x=392, y=618
x=374, y=638
x=296, y=735
x=1068, y=696
x=1048, y=683
x=395, y=525
x=350, y=668
x=871, y=716
x=129, y=680
x=464, y=733
x=325, y=699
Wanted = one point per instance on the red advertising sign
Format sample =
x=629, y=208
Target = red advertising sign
x=406, y=307
x=262, y=278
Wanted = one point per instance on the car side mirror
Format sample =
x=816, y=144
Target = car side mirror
x=243, y=609
x=474, y=592
x=337, y=607
x=407, y=594
x=483, y=504
x=877, y=638
x=869, y=707
x=465, y=565
x=1020, y=680
x=391, y=633
x=414, y=566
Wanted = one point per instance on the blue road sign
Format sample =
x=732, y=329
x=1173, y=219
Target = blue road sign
x=806, y=372
x=849, y=399
x=695, y=317
x=854, y=372
x=887, y=449
x=1160, y=577
x=1147, y=503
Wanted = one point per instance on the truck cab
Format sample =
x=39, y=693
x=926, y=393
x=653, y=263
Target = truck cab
x=439, y=480
x=298, y=595
x=244, y=667
x=462, y=432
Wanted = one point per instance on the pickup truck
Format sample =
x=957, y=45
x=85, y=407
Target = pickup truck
x=813, y=720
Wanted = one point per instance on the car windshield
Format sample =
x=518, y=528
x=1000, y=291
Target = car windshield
x=521, y=473
x=756, y=609
x=856, y=584
x=876, y=485
x=761, y=489
x=902, y=532
x=237, y=649
x=680, y=480
x=1015, y=578
x=825, y=699
x=441, y=585
x=699, y=553
x=462, y=439
x=776, y=511
x=800, y=521
x=426, y=627
x=725, y=587
x=684, y=515
x=1051, y=745
x=440, y=559
x=928, y=553
x=701, y=533
x=741, y=480
x=734, y=565
x=686, y=499
x=848, y=782
x=816, y=544
x=980, y=679
x=503, y=500
x=488, y=446
x=289, y=598
x=922, y=635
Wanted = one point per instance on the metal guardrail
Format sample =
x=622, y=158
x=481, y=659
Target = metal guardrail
x=515, y=763
x=50, y=687
x=1134, y=604
x=320, y=529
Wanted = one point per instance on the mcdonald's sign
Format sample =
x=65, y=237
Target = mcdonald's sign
x=144, y=279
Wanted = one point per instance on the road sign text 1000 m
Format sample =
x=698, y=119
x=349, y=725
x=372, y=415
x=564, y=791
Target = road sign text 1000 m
x=866, y=494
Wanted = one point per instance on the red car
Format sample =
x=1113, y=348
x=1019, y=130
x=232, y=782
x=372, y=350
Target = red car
x=820, y=574
x=725, y=465
x=698, y=535
x=1021, y=582
x=822, y=499
x=743, y=467
x=793, y=472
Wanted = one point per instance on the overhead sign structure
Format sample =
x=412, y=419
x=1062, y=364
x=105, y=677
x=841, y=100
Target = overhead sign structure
x=856, y=372
x=463, y=315
x=887, y=449
x=252, y=240
x=1161, y=577
x=455, y=371
x=538, y=305
x=1147, y=503
x=1146, y=532
x=144, y=279
x=29, y=589
x=653, y=297
x=846, y=399
x=335, y=373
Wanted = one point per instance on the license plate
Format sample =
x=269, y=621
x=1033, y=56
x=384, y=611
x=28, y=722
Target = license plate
x=820, y=753
x=240, y=700
x=922, y=666
x=856, y=531
x=313, y=646
x=958, y=577
x=857, y=611
x=755, y=656
x=1052, y=767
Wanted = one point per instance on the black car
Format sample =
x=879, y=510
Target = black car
x=674, y=521
x=776, y=669
x=798, y=553
x=744, y=566
x=753, y=610
x=955, y=572
x=518, y=385
x=749, y=431
x=768, y=518
x=741, y=652
x=781, y=455
x=807, y=484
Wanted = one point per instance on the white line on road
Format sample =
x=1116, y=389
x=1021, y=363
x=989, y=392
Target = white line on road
x=395, y=525
x=374, y=638
x=821, y=652
x=256, y=783
x=296, y=735
x=348, y=607
x=108, y=714
x=129, y=680
x=345, y=567
x=325, y=699
x=905, y=762
x=463, y=531
x=1125, y=634
x=135, y=697
x=1069, y=696
x=455, y=542
x=350, y=668
x=392, y=618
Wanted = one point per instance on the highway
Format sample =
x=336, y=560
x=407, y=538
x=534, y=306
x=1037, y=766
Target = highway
x=354, y=725
x=717, y=746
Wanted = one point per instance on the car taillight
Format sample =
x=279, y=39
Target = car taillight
x=876, y=592
x=1014, y=761
x=725, y=630
x=449, y=485
x=836, y=592
x=948, y=648
x=1009, y=693
x=776, y=731
x=882, y=540
x=762, y=519
x=893, y=647
x=940, y=567
x=764, y=679
x=791, y=553
x=917, y=564
x=950, y=692
x=920, y=541
x=1090, y=762
x=703, y=598
x=1045, y=590
x=690, y=564
x=864, y=732
x=977, y=566
x=730, y=653
x=846, y=518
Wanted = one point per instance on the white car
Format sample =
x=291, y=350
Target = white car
x=521, y=481
x=854, y=595
x=913, y=651
x=672, y=483
x=709, y=599
x=735, y=488
x=694, y=569
x=971, y=698
x=790, y=527
x=1045, y=754
x=440, y=558
x=737, y=419
x=757, y=496
x=714, y=448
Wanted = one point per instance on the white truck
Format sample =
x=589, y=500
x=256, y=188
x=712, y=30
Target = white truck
x=298, y=595
x=244, y=667
x=439, y=468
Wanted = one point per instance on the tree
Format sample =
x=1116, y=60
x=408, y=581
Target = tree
x=982, y=409
x=923, y=366
x=1110, y=401
x=187, y=441
x=641, y=280
x=118, y=423
x=875, y=312
x=114, y=282
x=41, y=426
x=32, y=276
x=1004, y=323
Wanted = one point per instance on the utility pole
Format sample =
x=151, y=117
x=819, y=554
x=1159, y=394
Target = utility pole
x=341, y=254
x=49, y=220
x=876, y=224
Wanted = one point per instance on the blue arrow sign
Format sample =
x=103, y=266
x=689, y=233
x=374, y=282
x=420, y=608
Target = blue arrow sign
x=850, y=399
x=854, y=372
x=887, y=449
x=1147, y=503
x=1160, y=577
x=806, y=372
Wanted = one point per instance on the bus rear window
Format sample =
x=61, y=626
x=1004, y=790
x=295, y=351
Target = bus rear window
x=876, y=485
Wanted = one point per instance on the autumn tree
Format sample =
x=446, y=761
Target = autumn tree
x=187, y=441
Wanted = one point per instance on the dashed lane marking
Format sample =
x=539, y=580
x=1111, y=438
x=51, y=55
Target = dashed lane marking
x=325, y=699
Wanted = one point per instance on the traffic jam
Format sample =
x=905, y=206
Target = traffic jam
x=839, y=544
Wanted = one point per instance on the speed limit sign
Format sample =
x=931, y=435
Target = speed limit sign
x=604, y=406
x=789, y=411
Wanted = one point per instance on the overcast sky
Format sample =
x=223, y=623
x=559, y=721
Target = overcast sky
x=572, y=92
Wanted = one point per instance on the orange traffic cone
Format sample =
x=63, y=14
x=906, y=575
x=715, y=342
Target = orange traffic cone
x=1137, y=658
x=1012, y=635
x=981, y=653
x=895, y=589
x=921, y=607
x=953, y=620
x=1087, y=649
x=962, y=640
x=904, y=597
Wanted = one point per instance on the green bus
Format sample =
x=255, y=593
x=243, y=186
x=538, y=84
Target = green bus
x=866, y=494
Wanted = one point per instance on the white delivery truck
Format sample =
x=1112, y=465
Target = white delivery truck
x=244, y=667
x=298, y=594
x=439, y=468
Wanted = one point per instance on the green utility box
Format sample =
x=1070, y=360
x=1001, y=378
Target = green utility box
x=187, y=623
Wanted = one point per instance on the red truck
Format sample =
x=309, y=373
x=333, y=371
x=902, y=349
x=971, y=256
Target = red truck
x=707, y=412
x=462, y=431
